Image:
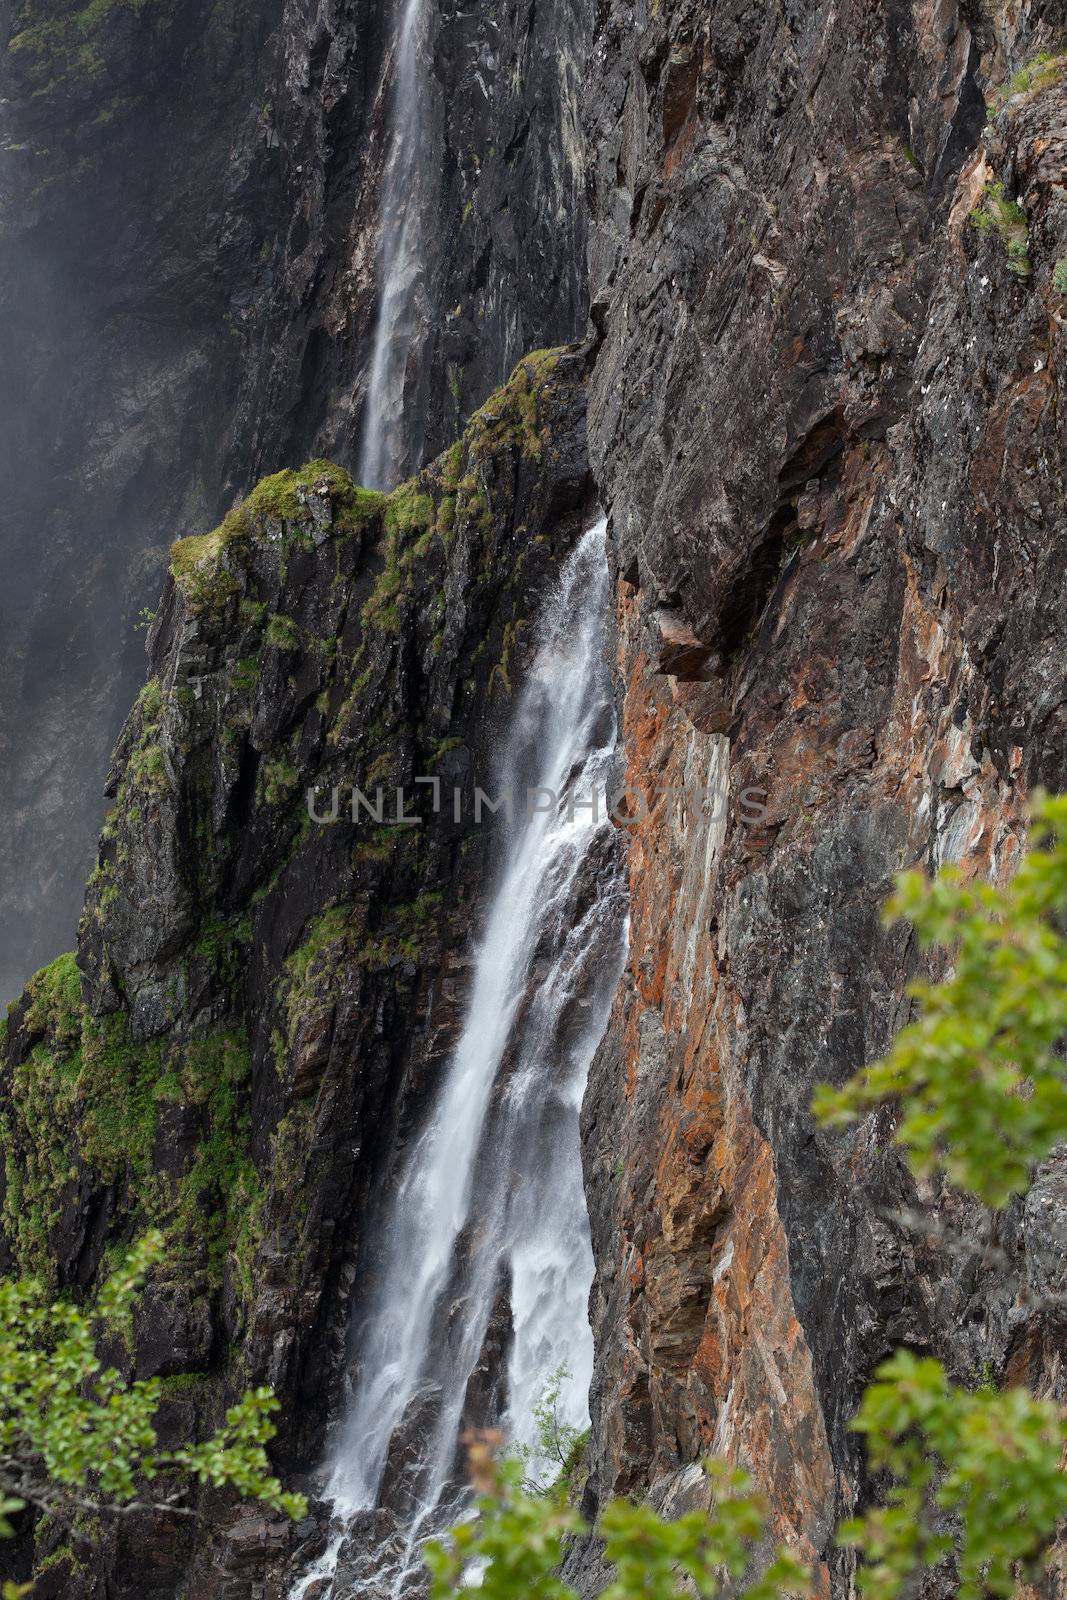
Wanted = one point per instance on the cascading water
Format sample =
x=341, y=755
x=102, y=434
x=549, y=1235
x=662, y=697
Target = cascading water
x=491, y=1208
x=400, y=264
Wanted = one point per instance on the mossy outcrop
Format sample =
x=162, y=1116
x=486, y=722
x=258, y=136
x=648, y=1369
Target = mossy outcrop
x=192, y=195
x=261, y=1003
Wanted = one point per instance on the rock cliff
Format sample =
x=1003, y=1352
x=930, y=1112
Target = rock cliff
x=825, y=417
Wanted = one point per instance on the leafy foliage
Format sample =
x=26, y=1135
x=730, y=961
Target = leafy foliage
x=514, y=1548
x=75, y=1437
x=981, y=1091
x=560, y=1445
x=990, y=1461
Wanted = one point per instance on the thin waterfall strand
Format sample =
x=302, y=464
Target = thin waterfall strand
x=400, y=265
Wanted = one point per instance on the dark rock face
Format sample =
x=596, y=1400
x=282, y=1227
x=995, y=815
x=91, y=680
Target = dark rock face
x=264, y=1003
x=824, y=416
x=188, y=288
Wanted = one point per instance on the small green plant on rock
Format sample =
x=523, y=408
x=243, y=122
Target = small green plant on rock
x=995, y=213
x=560, y=1448
x=1059, y=276
x=1042, y=72
x=282, y=633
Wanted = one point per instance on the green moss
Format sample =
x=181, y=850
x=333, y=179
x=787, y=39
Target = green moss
x=116, y=1092
x=63, y=1555
x=55, y=1001
x=513, y=415
x=198, y=567
x=327, y=929
x=222, y=1186
x=221, y=946
x=379, y=770
x=513, y=418
x=995, y=213
x=284, y=496
x=147, y=769
x=181, y=1383
x=502, y=671
x=84, y=1090
x=409, y=521
x=351, y=701
x=381, y=611
x=443, y=747
x=201, y=565
x=248, y=1203
x=1042, y=72
x=278, y=779
x=338, y=939
x=420, y=911
x=290, y=1148
x=86, y=1099
x=246, y=674
x=150, y=702
x=282, y=633
x=71, y=43
x=332, y=935
x=146, y=775
x=446, y=520
x=452, y=466
x=408, y=510
x=382, y=843
x=402, y=936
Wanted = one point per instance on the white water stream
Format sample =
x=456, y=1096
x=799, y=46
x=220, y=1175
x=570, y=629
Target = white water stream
x=492, y=1192
x=400, y=264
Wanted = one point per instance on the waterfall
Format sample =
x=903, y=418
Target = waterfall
x=382, y=445
x=490, y=1209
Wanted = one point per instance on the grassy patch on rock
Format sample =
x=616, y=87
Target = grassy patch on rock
x=203, y=564
x=82, y=1109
